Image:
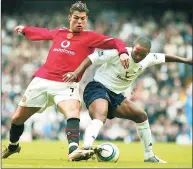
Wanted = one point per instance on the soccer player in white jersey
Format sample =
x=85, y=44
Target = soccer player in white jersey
x=103, y=97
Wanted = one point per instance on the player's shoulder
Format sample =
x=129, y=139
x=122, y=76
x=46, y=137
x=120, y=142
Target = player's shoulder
x=153, y=58
x=153, y=55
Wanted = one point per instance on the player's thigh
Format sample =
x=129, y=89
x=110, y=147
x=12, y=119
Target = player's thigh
x=98, y=109
x=23, y=113
x=34, y=100
x=36, y=94
x=70, y=108
x=96, y=99
x=128, y=110
x=67, y=98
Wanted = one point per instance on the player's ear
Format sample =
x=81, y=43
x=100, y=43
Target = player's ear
x=147, y=52
x=69, y=17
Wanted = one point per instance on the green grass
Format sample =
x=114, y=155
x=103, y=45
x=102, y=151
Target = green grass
x=51, y=154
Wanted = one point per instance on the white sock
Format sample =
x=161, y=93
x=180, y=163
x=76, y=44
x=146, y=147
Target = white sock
x=92, y=132
x=144, y=133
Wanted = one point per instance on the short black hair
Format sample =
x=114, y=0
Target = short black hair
x=79, y=6
x=143, y=41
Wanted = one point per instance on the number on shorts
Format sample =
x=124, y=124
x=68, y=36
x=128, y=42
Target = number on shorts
x=72, y=89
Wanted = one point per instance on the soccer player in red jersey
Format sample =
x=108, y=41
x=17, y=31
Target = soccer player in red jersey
x=69, y=48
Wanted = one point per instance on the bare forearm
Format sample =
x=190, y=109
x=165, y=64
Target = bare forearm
x=83, y=66
x=73, y=76
x=173, y=58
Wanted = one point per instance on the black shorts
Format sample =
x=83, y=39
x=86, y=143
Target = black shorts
x=95, y=90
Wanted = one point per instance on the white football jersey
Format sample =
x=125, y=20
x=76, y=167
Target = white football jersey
x=112, y=74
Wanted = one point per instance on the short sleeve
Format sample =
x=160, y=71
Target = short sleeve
x=102, y=56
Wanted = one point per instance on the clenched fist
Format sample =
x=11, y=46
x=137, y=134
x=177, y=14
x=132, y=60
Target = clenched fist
x=124, y=59
x=19, y=29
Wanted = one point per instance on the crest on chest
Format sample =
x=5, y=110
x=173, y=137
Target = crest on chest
x=69, y=36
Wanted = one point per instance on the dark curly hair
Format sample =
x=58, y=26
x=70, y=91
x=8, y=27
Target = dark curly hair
x=143, y=41
x=79, y=6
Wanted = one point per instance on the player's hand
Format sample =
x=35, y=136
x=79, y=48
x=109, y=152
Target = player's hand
x=189, y=61
x=70, y=77
x=19, y=29
x=124, y=59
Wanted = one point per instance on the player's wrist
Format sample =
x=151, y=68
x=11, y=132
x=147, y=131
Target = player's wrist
x=123, y=52
x=76, y=74
x=23, y=30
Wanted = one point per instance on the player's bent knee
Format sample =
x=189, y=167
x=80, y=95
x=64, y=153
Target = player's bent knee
x=17, y=119
x=75, y=113
x=100, y=116
x=141, y=117
x=98, y=112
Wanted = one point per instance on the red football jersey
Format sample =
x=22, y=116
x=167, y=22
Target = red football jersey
x=69, y=49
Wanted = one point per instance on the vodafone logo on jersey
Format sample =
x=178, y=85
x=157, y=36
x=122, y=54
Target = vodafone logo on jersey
x=65, y=44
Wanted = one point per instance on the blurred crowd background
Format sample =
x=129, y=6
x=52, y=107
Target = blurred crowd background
x=164, y=91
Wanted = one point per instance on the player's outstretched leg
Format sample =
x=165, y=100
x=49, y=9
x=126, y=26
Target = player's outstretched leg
x=16, y=130
x=88, y=150
x=6, y=152
x=72, y=132
x=128, y=110
x=71, y=109
x=13, y=147
x=92, y=132
x=144, y=133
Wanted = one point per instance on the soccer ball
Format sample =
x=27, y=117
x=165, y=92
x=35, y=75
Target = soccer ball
x=109, y=153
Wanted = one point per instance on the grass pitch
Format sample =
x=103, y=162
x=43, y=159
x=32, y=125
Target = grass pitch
x=53, y=154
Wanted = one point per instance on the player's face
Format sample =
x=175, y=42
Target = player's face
x=78, y=21
x=139, y=53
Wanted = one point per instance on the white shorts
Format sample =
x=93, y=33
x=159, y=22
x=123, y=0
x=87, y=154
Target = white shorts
x=44, y=93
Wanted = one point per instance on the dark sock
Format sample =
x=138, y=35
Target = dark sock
x=72, y=132
x=14, y=134
x=13, y=147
